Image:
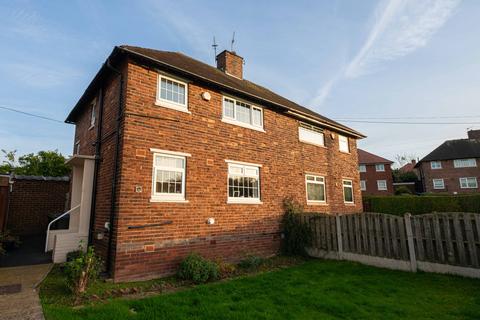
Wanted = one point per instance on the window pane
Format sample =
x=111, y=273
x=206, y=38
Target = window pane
x=348, y=194
x=243, y=182
x=228, y=109
x=243, y=112
x=315, y=192
x=257, y=117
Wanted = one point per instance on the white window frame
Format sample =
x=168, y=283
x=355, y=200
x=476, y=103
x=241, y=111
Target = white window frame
x=311, y=134
x=435, y=165
x=233, y=120
x=348, y=186
x=321, y=181
x=362, y=168
x=168, y=197
x=243, y=165
x=167, y=103
x=464, y=163
x=363, y=185
x=93, y=115
x=437, y=186
x=380, y=167
x=466, y=183
x=381, y=188
x=343, y=143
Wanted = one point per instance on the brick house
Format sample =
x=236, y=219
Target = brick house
x=453, y=167
x=188, y=157
x=376, y=177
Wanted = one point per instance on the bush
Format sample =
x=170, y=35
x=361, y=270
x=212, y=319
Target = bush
x=82, y=270
x=400, y=205
x=402, y=190
x=296, y=235
x=197, y=269
x=251, y=262
x=225, y=269
x=72, y=255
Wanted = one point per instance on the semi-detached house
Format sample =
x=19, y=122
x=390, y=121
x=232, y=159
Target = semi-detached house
x=174, y=156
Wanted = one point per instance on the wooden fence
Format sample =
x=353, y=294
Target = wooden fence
x=437, y=242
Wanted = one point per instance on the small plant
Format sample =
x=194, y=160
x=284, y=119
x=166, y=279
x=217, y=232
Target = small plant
x=7, y=240
x=251, y=262
x=297, y=235
x=197, y=269
x=225, y=269
x=72, y=255
x=82, y=270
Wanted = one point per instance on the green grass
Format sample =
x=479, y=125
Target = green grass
x=317, y=289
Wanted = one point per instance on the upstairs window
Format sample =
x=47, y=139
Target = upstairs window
x=243, y=114
x=172, y=93
x=93, y=115
x=315, y=188
x=311, y=134
x=468, y=183
x=168, y=177
x=343, y=144
x=347, y=191
x=435, y=165
x=362, y=168
x=464, y=163
x=243, y=183
x=380, y=167
x=382, y=185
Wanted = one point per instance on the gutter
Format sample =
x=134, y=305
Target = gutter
x=113, y=196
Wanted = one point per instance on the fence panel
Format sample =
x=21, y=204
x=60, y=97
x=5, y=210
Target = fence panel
x=439, y=238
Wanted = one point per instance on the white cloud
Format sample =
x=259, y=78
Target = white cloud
x=399, y=27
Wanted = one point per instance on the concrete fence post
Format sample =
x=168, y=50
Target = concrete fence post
x=411, y=246
x=338, y=222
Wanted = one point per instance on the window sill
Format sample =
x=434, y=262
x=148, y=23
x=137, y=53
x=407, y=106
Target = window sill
x=168, y=200
x=313, y=144
x=241, y=201
x=241, y=124
x=172, y=106
x=346, y=152
x=349, y=203
x=317, y=203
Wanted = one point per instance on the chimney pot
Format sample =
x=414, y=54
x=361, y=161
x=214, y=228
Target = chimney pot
x=230, y=63
x=414, y=161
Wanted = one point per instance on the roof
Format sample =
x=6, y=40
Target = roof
x=187, y=66
x=454, y=149
x=407, y=167
x=365, y=157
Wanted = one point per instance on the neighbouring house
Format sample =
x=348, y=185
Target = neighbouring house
x=174, y=156
x=375, y=174
x=453, y=167
x=408, y=169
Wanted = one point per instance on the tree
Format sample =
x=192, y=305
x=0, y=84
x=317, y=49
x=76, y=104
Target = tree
x=399, y=176
x=44, y=163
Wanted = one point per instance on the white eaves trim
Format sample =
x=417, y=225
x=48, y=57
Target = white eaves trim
x=173, y=153
x=243, y=163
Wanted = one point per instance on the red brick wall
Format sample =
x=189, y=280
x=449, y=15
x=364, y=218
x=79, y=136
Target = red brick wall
x=239, y=229
x=30, y=203
x=450, y=177
x=371, y=176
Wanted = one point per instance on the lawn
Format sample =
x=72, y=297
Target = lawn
x=316, y=289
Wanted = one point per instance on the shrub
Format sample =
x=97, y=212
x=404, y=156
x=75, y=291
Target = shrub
x=251, y=262
x=400, y=205
x=72, y=255
x=82, y=270
x=197, y=269
x=7, y=240
x=296, y=235
x=225, y=269
x=402, y=190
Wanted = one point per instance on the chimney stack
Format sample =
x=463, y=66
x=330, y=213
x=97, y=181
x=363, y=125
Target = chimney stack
x=414, y=162
x=230, y=63
x=474, y=134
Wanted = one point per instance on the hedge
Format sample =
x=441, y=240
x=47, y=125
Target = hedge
x=422, y=204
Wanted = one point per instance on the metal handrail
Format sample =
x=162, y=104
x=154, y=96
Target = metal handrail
x=56, y=219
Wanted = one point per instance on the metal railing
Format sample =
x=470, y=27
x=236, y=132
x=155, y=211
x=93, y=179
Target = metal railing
x=55, y=220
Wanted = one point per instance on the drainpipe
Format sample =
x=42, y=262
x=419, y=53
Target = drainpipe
x=96, y=169
x=115, y=169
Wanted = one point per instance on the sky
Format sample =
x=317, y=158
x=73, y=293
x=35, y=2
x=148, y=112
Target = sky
x=354, y=61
